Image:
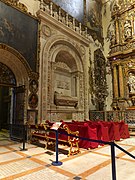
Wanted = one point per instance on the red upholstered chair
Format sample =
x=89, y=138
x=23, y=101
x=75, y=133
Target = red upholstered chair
x=93, y=135
x=116, y=131
x=113, y=130
x=127, y=131
x=103, y=132
x=110, y=130
x=123, y=128
x=84, y=131
x=87, y=132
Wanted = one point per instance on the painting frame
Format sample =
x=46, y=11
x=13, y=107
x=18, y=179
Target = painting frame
x=32, y=117
x=20, y=30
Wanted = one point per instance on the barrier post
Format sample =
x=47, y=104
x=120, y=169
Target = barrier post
x=113, y=161
x=24, y=135
x=56, y=163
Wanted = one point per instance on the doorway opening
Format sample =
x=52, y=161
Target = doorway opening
x=5, y=112
x=7, y=82
x=5, y=107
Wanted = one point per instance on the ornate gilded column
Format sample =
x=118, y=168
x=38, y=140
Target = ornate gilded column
x=117, y=30
x=121, y=85
x=115, y=82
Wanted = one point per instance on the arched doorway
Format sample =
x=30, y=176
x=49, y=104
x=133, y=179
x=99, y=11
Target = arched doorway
x=14, y=79
x=11, y=102
x=7, y=83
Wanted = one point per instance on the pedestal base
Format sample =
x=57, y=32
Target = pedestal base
x=54, y=163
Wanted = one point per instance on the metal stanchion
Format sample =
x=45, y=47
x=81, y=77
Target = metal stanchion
x=24, y=135
x=113, y=161
x=56, y=163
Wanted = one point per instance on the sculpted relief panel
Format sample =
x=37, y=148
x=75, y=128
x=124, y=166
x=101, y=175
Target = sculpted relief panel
x=63, y=85
x=63, y=82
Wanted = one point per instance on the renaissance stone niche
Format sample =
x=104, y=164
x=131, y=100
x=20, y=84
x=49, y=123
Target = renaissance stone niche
x=65, y=83
x=65, y=86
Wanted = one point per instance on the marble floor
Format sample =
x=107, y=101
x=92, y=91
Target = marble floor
x=36, y=162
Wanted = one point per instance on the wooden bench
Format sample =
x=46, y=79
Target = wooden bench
x=38, y=134
x=43, y=134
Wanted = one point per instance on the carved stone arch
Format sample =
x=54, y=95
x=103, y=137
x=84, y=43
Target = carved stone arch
x=69, y=56
x=59, y=39
x=21, y=70
x=14, y=60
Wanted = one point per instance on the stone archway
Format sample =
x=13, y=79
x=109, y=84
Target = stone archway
x=59, y=51
x=14, y=61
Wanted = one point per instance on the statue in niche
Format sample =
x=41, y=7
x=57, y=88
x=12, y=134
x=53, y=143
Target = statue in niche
x=131, y=83
x=133, y=100
x=127, y=29
x=111, y=33
x=113, y=36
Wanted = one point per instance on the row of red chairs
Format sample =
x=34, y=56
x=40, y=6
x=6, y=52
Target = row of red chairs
x=98, y=130
x=109, y=131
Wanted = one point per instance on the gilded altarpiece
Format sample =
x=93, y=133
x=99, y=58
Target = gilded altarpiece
x=122, y=56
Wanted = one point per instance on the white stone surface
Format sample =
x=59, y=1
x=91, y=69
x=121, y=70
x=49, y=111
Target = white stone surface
x=83, y=163
x=45, y=174
x=10, y=156
x=4, y=149
x=17, y=167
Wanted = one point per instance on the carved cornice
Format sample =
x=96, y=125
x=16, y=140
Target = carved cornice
x=120, y=56
x=62, y=16
x=18, y=5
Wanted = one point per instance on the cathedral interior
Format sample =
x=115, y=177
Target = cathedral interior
x=63, y=60
x=66, y=61
x=59, y=60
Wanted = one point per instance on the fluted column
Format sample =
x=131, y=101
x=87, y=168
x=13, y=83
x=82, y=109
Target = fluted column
x=121, y=84
x=115, y=82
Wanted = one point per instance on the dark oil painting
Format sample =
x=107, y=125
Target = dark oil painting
x=94, y=17
x=19, y=31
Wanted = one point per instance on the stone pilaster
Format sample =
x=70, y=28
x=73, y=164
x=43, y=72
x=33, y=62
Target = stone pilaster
x=115, y=82
x=121, y=85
